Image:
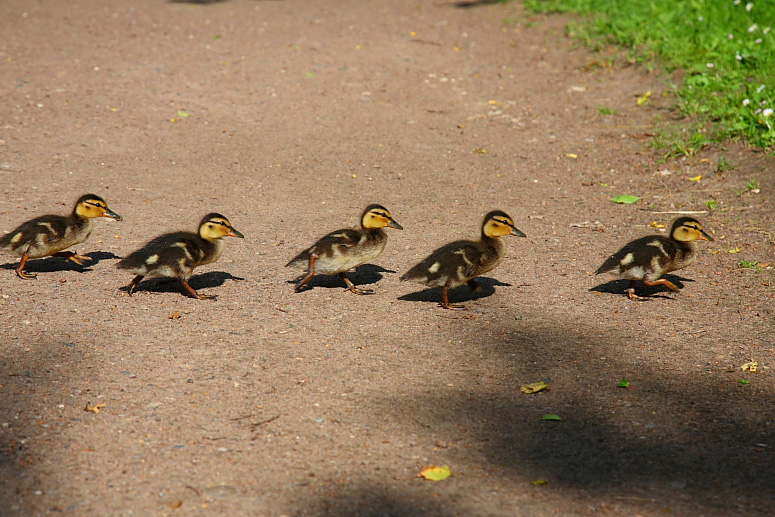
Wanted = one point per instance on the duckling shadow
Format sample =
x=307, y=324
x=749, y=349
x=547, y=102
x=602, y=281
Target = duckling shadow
x=658, y=291
x=363, y=275
x=459, y=294
x=56, y=264
x=172, y=285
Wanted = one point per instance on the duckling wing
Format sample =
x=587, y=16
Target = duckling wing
x=648, y=257
x=172, y=254
x=43, y=236
x=451, y=265
x=334, y=244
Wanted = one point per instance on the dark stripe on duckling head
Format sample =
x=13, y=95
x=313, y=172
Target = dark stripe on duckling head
x=687, y=229
x=216, y=226
x=377, y=216
x=92, y=205
x=497, y=222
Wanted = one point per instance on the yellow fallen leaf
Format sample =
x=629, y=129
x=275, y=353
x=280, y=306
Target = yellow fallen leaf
x=534, y=387
x=644, y=99
x=571, y=155
x=696, y=178
x=93, y=409
x=174, y=316
x=540, y=482
x=751, y=366
x=658, y=225
x=735, y=250
x=432, y=473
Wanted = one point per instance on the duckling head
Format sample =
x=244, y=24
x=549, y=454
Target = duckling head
x=499, y=224
x=687, y=229
x=92, y=205
x=215, y=226
x=377, y=216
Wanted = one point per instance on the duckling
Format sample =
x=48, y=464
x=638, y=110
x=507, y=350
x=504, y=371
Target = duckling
x=175, y=255
x=343, y=250
x=648, y=258
x=460, y=262
x=48, y=235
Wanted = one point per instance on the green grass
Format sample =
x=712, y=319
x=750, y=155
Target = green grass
x=605, y=110
x=726, y=49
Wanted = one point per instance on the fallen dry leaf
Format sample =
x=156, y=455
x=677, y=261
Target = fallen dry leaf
x=534, y=387
x=93, y=409
x=751, y=366
x=432, y=473
x=174, y=316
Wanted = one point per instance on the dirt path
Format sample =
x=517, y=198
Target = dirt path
x=290, y=117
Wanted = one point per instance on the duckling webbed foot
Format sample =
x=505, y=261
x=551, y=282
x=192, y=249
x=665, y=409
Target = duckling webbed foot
x=351, y=286
x=69, y=255
x=631, y=293
x=308, y=274
x=667, y=283
x=133, y=284
x=193, y=293
x=20, y=268
x=445, y=301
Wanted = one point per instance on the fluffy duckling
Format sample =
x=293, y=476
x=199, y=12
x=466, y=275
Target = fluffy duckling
x=460, y=262
x=48, y=235
x=648, y=258
x=343, y=250
x=175, y=255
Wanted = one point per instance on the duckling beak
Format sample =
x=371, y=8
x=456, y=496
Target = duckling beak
x=113, y=215
x=515, y=231
x=705, y=236
x=395, y=225
x=234, y=233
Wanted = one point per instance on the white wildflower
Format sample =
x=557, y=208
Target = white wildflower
x=700, y=18
x=767, y=112
x=760, y=89
x=736, y=2
x=710, y=65
x=746, y=102
x=731, y=36
x=758, y=40
x=753, y=28
x=749, y=6
x=766, y=30
x=738, y=56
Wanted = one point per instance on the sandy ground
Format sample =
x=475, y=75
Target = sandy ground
x=289, y=117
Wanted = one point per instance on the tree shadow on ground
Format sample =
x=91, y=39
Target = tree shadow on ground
x=620, y=287
x=363, y=275
x=467, y=4
x=375, y=497
x=201, y=2
x=172, y=285
x=457, y=295
x=57, y=264
x=666, y=446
